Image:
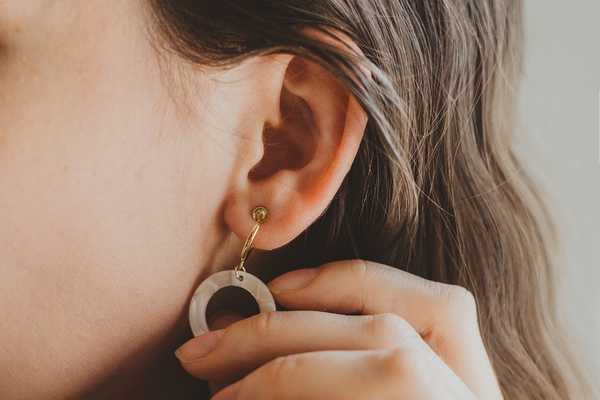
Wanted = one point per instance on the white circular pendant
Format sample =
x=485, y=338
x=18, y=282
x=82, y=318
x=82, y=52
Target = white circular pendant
x=219, y=280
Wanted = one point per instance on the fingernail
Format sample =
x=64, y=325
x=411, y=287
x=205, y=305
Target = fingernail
x=229, y=393
x=293, y=280
x=199, y=346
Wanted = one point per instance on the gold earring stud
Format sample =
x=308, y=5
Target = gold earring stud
x=259, y=215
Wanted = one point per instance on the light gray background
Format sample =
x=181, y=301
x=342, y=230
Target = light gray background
x=560, y=113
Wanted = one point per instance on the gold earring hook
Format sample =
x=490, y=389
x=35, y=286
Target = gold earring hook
x=259, y=215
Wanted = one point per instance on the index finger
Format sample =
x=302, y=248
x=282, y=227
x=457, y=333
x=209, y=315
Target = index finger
x=444, y=315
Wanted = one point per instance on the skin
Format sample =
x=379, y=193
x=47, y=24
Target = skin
x=126, y=180
x=383, y=333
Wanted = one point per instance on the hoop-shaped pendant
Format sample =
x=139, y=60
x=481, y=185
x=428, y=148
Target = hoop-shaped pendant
x=219, y=280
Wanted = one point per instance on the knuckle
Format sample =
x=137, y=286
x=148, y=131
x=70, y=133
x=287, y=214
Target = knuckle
x=404, y=363
x=281, y=368
x=266, y=324
x=358, y=268
x=396, y=364
x=461, y=300
x=388, y=329
x=457, y=304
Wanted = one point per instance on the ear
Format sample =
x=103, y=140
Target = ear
x=311, y=129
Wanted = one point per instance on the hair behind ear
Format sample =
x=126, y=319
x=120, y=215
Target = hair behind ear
x=436, y=188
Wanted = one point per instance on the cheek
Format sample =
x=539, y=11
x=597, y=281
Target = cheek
x=100, y=247
x=106, y=207
x=104, y=212
x=104, y=226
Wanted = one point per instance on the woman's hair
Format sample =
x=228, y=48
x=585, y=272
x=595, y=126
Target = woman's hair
x=436, y=188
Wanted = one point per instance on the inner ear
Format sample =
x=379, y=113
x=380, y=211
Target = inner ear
x=292, y=143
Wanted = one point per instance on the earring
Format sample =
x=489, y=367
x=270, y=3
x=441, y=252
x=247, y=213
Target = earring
x=237, y=277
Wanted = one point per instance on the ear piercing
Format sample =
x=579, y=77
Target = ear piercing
x=259, y=215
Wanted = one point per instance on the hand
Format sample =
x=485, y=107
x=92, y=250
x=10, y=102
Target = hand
x=412, y=339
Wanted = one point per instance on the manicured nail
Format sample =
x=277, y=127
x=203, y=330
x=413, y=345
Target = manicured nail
x=228, y=393
x=199, y=346
x=293, y=280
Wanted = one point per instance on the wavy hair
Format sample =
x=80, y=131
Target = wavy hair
x=436, y=188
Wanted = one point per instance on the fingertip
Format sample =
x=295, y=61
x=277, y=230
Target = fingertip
x=199, y=346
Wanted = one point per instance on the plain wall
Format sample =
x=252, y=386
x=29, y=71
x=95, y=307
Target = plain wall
x=560, y=113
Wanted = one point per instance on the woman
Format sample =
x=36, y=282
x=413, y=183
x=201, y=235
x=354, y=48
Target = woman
x=410, y=247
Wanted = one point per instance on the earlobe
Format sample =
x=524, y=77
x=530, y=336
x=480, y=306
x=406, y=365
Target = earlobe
x=306, y=153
